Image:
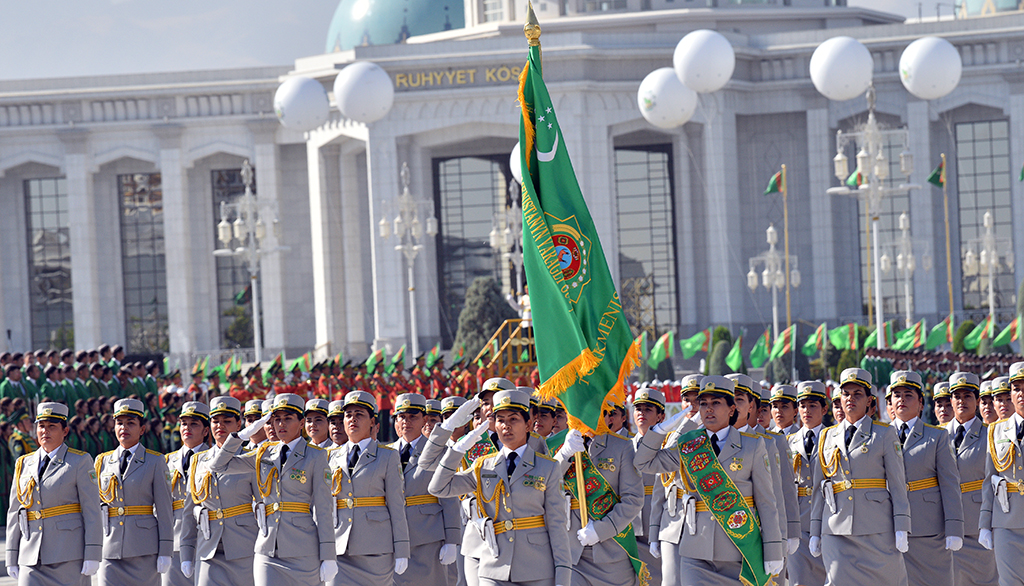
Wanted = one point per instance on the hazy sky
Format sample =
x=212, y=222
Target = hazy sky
x=63, y=38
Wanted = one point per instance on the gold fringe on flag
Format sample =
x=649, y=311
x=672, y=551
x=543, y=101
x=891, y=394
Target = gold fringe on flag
x=582, y=365
x=531, y=132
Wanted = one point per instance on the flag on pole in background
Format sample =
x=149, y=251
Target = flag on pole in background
x=663, y=349
x=844, y=337
x=699, y=342
x=910, y=338
x=759, y=353
x=1011, y=333
x=397, y=361
x=890, y=336
x=980, y=332
x=816, y=341
x=775, y=184
x=938, y=176
x=735, y=358
x=784, y=343
x=855, y=180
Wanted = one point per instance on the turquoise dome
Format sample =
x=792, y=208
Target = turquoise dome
x=381, y=22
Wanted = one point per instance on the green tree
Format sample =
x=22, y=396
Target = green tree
x=721, y=333
x=961, y=333
x=1020, y=298
x=848, y=359
x=239, y=332
x=780, y=370
x=716, y=359
x=485, y=311
x=984, y=347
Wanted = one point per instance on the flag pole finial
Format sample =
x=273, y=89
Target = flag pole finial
x=532, y=28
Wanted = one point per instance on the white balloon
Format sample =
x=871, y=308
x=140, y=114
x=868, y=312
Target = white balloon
x=704, y=61
x=516, y=164
x=301, y=104
x=930, y=68
x=364, y=92
x=664, y=101
x=841, y=68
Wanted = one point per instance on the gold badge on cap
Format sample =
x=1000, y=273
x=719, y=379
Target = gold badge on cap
x=903, y=378
x=47, y=411
x=709, y=387
x=505, y=401
x=642, y=395
x=405, y=403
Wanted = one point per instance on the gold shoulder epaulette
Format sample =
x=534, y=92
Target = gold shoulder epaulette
x=167, y=457
x=535, y=434
x=743, y=433
x=315, y=447
x=882, y=423
x=935, y=427
x=76, y=452
x=772, y=433
x=22, y=457
x=794, y=433
x=620, y=436
x=105, y=454
x=386, y=447
x=544, y=456
x=153, y=452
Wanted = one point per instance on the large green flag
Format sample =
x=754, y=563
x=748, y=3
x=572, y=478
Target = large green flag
x=844, y=337
x=979, y=333
x=759, y=353
x=397, y=361
x=910, y=338
x=585, y=349
x=735, y=358
x=1009, y=334
x=663, y=349
x=940, y=334
x=890, y=336
x=699, y=342
x=783, y=343
x=816, y=341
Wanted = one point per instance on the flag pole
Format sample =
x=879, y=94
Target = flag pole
x=867, y=238
x=949, y=261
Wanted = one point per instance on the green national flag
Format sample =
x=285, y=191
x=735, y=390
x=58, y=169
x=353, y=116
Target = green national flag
x=759, y=353
x=775, y=184
x=979, y=333
x=699, y=342
x=374, y=359
x=816, y=341
x=890, y=336
x=397, y=361
x=844, y=337
x=663, y=349
x=855, y=180
x=456, y=356
x=784, y=343
x=938, y=176
x=585, y=349
x=910, y=338
x=278, y=361
x=432, y=356
x=1010, y=333
x=941, y=334
x=735, y=358
x=643, y=344
x=244, y=296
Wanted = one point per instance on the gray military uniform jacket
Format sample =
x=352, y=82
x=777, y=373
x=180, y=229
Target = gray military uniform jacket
x=642, y=523
x=874, y=454
x=376, y=529
x=305, y=479
x=432, y=521
x=144, y=486
x=803, y=464
x=928, y=455
x=970, y=461
x=69, y=480
x=228, y=489
x=534, y=490
x=789, y=514
x=1006, y=453
x=753, y=478
x=180, y=499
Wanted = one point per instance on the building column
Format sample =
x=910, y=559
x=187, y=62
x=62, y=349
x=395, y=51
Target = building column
x=390, y=326
x=1016, y=110
x=85, y=273
x=725, y=273
x=819, y=168
x=178, y=250
x=322, y=167
x=686, y=265
x=272, y=298
x=926, y=295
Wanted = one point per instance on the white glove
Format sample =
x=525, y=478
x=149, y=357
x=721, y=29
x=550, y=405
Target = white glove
x=204, y=524
x=328, y=570
x=261, y=517
x=401, y=565
x=656, y=550
x=814, y=546
x=186, y=569
x=447, y=556
x=999, y=489
x=792, y=544
x=462, y=415
x=588, y=535
x=163, y=564
x=773, y=568
x=984, y=538
x=253, y=428
x=90, y=567
x=469, y=440
x=672, y=423
x=954, y=543
x=12, y=571
x=573, y=444
x=901, y=541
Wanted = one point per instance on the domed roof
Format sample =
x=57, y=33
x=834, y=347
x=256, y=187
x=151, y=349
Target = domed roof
x=381, y=22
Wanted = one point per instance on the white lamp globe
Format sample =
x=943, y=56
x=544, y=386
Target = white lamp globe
x=841, y=68
x=664, y=101
x=301, y=104
x=704, y=61
x=930, y=68
x=364, y=92
x=516, y=164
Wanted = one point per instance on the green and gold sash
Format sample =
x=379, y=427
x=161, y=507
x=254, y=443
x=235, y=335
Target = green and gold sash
x=719, y=493
x=600, y=500
x=484, y=447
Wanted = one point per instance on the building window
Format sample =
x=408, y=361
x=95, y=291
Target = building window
x=604, y=5
x=234, y=298
x=647, y=244
x=983, y=184
x=469, y=191
x=143, y=262
x=493, y=10
x=49, y=263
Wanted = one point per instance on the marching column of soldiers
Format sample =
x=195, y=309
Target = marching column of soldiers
x=743, y=485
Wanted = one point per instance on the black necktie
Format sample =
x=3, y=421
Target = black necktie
x=1020, y=432
x=188, y=460
x=714, y=444
x=850, y=432
x=959, y=438
x=42, y=467
x=809, y=443
x=284, y=455
x=405, y=454
x=353, y=457
x=903, y=433
x=511, y=463
x=125, y=457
